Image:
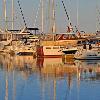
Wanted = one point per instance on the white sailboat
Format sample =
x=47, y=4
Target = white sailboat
x=18, y=47
x=9, y=34
x=55, y=47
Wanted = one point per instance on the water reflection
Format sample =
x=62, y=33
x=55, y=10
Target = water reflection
x=26, y=78
x=90, y=69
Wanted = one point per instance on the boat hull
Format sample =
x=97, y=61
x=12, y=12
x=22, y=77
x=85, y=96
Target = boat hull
x=69, y=51
x=49, y=51
x=25, y=53
x=88, y=58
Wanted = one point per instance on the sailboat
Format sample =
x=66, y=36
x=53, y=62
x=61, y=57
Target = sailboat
x=8, y=34
x=49, y=50
x=18, y=47
x=57, y=46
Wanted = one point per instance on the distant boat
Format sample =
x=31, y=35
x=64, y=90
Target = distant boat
x=25, y=50
x=7, y=41
x=87, y=55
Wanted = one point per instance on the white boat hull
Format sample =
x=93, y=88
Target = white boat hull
x=88, y=58
x=49, y=51
x=88, y=55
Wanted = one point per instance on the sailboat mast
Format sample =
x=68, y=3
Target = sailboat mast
x=12, y=14
x=53, y=18
x=49, y=20
x=97, y=17
x=42, y=17
x=5, y=14
x=77, y=13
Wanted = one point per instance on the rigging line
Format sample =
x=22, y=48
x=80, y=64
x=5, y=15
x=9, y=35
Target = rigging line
x=98, y=13
x=16, y=19
x=37, y=14
x=65, y=11
x=69, y=5
x=47, y=15
x=70, y=24
x=68, y=16
x=22, y=13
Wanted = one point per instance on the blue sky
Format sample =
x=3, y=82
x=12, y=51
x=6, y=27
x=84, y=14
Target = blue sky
x=87, y=14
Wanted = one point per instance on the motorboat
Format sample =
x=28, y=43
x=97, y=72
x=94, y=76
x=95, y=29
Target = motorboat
x=71, y=50
x=87, y=55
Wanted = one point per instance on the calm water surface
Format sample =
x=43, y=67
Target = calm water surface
x=26, y=78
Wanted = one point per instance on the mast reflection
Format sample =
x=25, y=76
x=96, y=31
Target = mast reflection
x=52, y=74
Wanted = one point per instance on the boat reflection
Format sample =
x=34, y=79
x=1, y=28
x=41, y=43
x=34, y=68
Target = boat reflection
x=56, y=67
x=55, y=72
x=90, y=69
x=48, y=76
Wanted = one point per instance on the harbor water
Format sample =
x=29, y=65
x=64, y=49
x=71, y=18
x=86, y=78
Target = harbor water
x=28, y=78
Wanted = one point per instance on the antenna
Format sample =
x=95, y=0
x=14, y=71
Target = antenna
x=22, y=14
